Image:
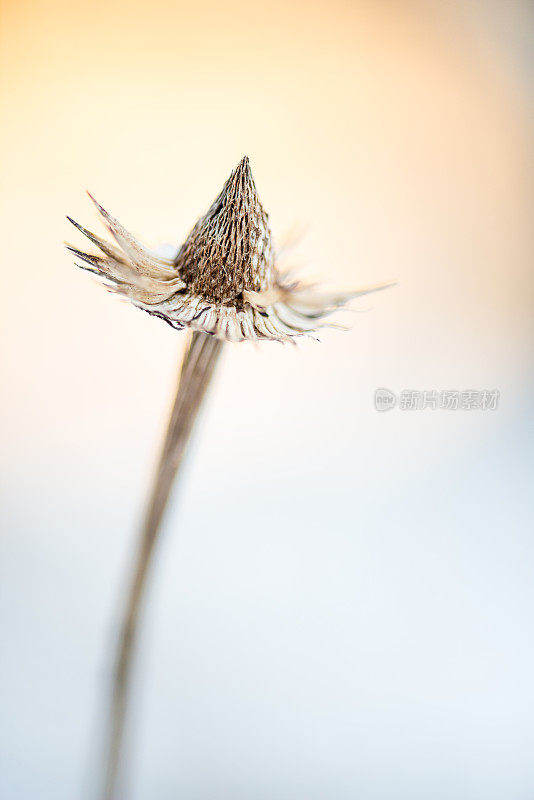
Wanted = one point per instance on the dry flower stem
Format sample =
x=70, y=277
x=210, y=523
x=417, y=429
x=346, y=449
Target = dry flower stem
x=224, y=285
x=197, y=369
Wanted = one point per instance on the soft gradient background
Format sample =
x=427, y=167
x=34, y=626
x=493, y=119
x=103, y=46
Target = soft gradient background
x=342, y=605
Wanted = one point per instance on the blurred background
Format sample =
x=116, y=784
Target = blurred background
x=342, y=602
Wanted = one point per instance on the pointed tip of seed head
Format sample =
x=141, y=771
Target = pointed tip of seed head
x=240, y=183
x=243, y=169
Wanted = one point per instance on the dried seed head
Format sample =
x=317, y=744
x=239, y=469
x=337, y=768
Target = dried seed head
x=224, y=279
x=229, y=250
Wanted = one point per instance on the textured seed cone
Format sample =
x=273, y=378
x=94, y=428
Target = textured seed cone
x=229, y=250
x=224, y=279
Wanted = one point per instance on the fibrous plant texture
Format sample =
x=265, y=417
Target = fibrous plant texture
x=224, y=280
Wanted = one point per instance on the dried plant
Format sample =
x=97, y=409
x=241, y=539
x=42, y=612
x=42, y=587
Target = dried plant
x=224, y=280
x=224, y=285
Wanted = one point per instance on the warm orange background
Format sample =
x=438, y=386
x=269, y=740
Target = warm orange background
x=350, y=589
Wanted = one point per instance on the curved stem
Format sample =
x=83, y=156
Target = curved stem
x=197, y=369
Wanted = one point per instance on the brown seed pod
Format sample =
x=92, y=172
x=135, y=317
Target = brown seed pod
x=223, y=281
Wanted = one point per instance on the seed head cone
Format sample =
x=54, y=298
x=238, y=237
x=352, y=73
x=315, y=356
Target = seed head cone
x=224, y=279
x=229, y=250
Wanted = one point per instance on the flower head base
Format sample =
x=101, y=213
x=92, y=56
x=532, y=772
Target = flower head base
x=224, y=279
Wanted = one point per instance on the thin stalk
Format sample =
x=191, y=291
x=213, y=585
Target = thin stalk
x=196, y=371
